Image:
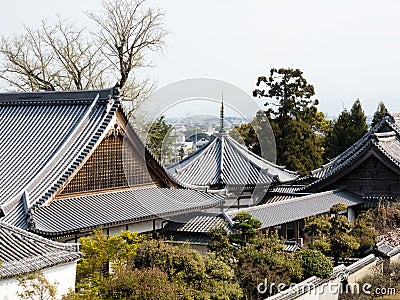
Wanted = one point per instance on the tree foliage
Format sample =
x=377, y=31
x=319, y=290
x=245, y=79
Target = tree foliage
x=365, y=233
x=203, y=278
x=260, y=259
x=220, y=243
x=158, y=139
x=315, y=263
x=148, y=283
x=298, y=126
x=244, y=228
x=346, y=130
x=317, y=226
x=143, y=268
x=103, y=252
x=335, y=236
x=257, y=136
x=380, y=112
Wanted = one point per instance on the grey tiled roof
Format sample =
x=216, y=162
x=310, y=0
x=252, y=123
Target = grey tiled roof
x=23, y=252
x=287, y=188
x=282, y=192
x=277, y=197
x=223, y=160
x=86, y=212
x=384, y=137
x=44, y=137
x=385, y=249
x=277, y=213
x=291, y=246
x=197, y=224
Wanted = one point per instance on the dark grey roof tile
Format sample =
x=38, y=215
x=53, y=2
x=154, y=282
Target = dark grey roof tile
x=44, y=136
x=223, y=160
x=285, y=211
x=87, y=212
x=22, y=252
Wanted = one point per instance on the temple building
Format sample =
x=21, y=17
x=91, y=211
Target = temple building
x=71, y=163
x=223, y=163
x=369, y=168
x=367, y=172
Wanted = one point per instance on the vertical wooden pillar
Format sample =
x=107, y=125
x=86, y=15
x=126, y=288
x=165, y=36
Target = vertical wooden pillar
x=296, y=230
x=284, y=231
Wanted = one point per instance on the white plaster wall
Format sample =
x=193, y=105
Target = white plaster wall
x=395, y=258
x=359, y=274
x=142, y=226
x=63, y=275
x=146, y=226
x=351, y=214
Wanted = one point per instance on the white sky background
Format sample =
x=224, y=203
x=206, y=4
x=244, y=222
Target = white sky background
x=346, y=49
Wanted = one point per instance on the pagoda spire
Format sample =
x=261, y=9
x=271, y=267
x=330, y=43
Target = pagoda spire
x=222, y=129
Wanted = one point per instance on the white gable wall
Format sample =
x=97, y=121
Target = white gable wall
x=63, y=275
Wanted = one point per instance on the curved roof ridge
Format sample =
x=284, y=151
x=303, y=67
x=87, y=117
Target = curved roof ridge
x=243, y=148
x=338, y=167
x=202, y=151
x=386, y=153
x=246, y=155
x=271, y=169
x=62, y=246
x=349, y=152
x=54, y=97
x=80, y=134
x=192, y=154
x=147, y=150
x=55, y=155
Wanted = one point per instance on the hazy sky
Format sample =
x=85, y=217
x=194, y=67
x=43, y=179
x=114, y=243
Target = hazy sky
x=346, y=49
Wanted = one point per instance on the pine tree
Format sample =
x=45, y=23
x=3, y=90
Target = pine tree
x=295, y=119
x=347, y=129
x=380, y=112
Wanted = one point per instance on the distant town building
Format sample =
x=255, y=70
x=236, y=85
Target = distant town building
x=199, y=144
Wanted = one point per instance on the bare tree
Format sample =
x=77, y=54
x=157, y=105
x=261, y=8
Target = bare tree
x=27, y=63
x=128, y=29
x=59, y=57
x=63, y=57
x=79, y=60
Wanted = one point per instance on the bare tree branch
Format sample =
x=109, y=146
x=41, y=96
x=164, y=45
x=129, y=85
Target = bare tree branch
x=64, y=57
x=128, y=30
x=135, y=92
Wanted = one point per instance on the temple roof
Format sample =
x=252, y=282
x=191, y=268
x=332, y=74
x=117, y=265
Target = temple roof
x=225, y=162
x=23, y=252
x=383, y=138
x=44, y=137
x=197, y=223
x=276, y=213
x=88, y=212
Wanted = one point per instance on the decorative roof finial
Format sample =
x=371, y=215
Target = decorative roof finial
x=222, y=114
